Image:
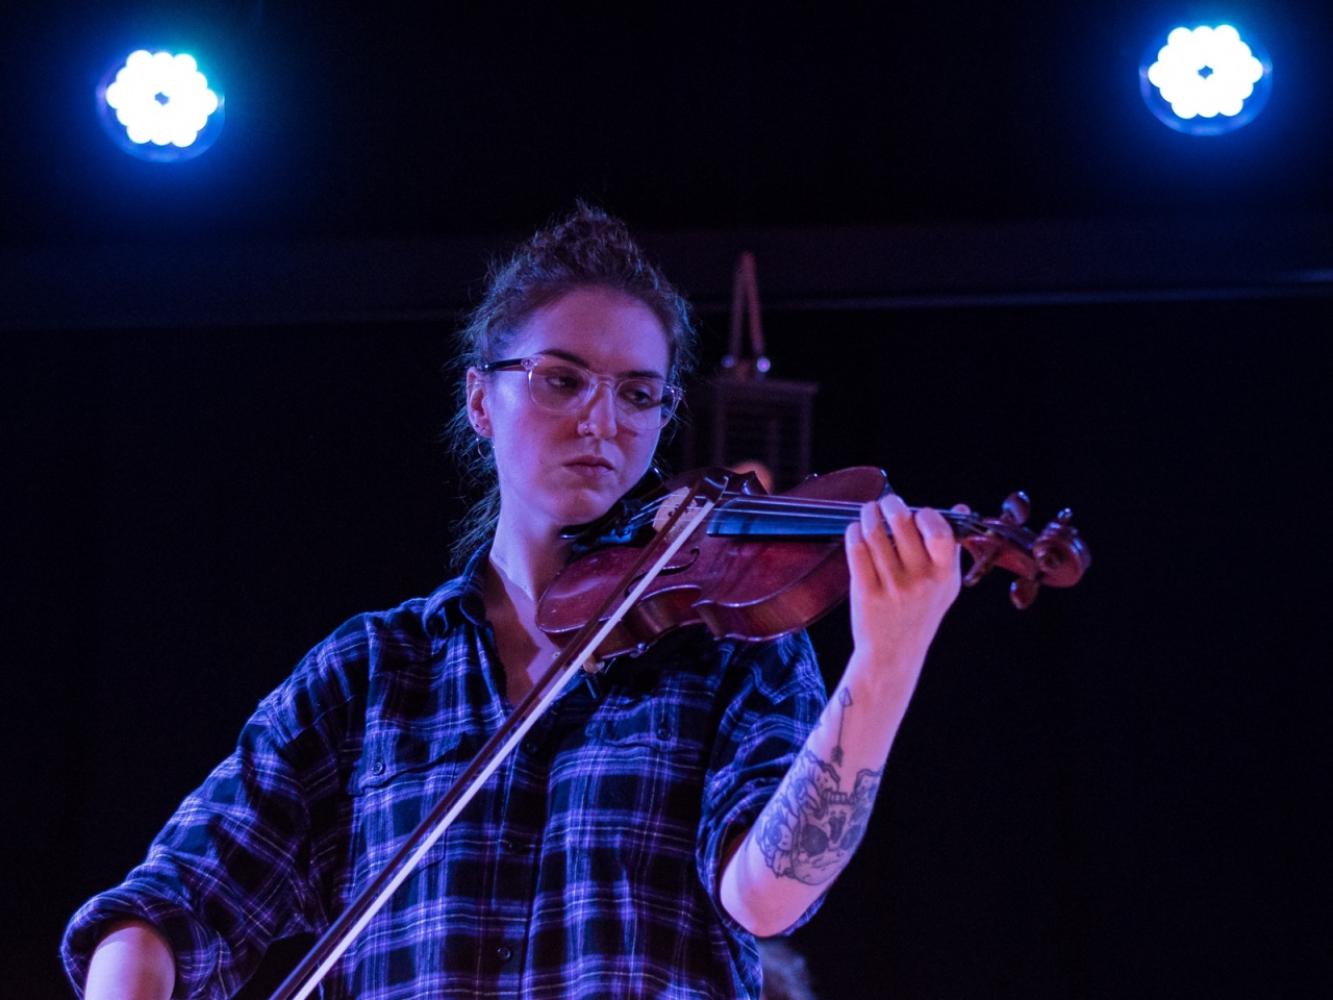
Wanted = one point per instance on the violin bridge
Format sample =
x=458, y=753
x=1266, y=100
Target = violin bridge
x=670, y=504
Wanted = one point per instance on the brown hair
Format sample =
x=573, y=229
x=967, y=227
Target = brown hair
x=587, y=248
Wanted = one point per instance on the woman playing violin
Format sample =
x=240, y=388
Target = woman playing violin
x=649, y=827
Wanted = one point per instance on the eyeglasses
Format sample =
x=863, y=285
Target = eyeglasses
x=643, y=403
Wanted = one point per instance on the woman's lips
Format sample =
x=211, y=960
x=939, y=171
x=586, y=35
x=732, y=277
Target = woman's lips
x=590, y=468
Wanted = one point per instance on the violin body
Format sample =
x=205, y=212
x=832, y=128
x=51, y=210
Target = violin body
x=765, y=565
x=735, y=587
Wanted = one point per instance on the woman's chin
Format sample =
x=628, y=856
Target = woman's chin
x=581, y=500
x=584, y=505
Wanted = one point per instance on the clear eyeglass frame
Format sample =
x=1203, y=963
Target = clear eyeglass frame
x=540, y=369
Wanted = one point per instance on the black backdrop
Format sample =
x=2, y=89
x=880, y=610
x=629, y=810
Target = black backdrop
x=1109, y=795
x=209, y=464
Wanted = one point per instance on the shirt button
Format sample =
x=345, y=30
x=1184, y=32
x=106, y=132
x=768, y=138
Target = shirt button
x=664, y=732
x=507, y=844
x=377, y=767
x=504, y=953
x=530, y=746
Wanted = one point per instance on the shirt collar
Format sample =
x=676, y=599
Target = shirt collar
x=460, y=599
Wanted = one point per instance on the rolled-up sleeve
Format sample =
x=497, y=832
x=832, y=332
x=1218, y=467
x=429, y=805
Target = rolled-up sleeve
x=778, y=697
x=226, y=876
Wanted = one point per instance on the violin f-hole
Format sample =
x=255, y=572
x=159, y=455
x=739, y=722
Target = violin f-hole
x=683, y=561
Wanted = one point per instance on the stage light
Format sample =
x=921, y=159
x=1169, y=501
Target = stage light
x=159, y=106
x=1205, y=80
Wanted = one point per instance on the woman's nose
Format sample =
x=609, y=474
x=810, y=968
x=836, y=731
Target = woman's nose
x=599, y=414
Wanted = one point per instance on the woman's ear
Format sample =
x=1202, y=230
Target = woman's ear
x=478, y=404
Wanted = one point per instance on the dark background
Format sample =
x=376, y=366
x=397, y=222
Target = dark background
x=222, y=394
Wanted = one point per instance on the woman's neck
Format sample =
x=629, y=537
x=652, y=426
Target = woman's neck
x=528, y=557
x=521, y=564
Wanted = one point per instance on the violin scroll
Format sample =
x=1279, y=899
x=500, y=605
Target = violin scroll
x=1056, y=557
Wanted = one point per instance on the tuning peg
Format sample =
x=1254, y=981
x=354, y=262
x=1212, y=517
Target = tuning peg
x=984, y=553
x=1022, y=592
x=1015, y=508
x=975, y=572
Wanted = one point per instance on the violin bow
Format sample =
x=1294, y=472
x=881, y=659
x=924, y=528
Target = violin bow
x=326, y=951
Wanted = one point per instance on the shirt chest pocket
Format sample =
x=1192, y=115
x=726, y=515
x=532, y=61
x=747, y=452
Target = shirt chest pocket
x=396, y=782
x=633, y=776
x=645, y=722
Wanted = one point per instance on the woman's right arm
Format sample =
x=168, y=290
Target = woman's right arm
x=238, y=865
x=132, y=962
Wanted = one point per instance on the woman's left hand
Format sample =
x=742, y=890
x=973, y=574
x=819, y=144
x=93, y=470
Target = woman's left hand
x=902, y=582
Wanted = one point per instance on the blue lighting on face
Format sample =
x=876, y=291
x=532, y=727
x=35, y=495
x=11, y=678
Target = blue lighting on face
x=1205, y=80
x=159, y=106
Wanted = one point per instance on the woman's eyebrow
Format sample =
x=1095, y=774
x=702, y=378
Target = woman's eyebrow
x=556, y=352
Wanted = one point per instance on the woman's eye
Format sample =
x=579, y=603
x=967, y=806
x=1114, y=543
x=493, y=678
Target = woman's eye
x=564, y=380
x=638, y=394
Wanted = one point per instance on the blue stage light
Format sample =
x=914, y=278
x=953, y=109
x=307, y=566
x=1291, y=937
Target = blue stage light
x=1205, y=80
x=159, y=106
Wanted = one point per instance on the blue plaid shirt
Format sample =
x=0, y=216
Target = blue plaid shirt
x=587, y=867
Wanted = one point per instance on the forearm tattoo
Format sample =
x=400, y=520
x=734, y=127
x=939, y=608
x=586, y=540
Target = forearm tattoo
x=811, y=827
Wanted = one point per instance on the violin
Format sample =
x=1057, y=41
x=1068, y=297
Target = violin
x=763, y=565
x=708, y=547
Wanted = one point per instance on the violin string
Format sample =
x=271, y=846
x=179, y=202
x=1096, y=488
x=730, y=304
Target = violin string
x=966, y=522
x=809, y=502
x=761, y=504
x=815, y=506
x=775, y=508
x=815, y=510
x=812, y=507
